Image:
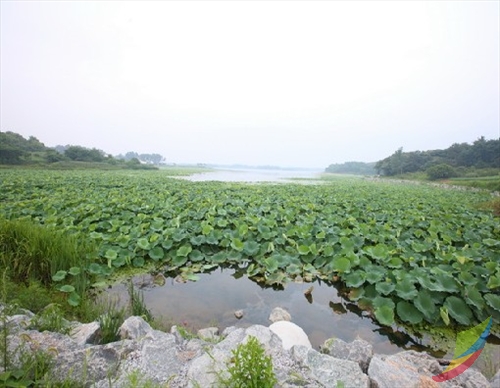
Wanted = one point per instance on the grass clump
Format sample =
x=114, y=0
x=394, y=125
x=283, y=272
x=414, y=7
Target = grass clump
x=249, y=367
x=32, y=252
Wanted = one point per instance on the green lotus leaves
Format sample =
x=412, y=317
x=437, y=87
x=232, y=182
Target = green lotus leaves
x=143, y=243
x=374, y=273
x=384, y=310
x=341, y=264
x=355, y=279
x=251, y=248
x=408, y=312
x=183, y=251
x=433, y=252
x=424, y=303
x=474, y=298
x=493, y=300
x=156, y=253
x=303, y=249
x=66, y=288
x=406, y=289
x=237, y=244
x=59, y=275
x=458, y=309
x=385, y=288
x=196, y=256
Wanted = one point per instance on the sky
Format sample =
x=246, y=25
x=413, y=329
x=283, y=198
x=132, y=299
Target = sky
x=279, y=83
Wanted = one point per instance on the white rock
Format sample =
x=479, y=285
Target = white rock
x=290, y=334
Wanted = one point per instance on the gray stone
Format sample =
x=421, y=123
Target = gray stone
x=495, y=381
x=156, y=356
x=177, y=334
x=228, y=330
x=358, y=350
x=290, y=334
x=239, y=314
x=86, y=333
x=19, y=322
x=209, y=334
x=134, y=328
x=415, y=370
x=279, y=314
x=472, y=378
x=331, y=372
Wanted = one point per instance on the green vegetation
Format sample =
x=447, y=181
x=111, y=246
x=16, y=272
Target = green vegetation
x=32, y=254
x=481, y=154
x=412, y=254
x=355, y=168
x=250, y=367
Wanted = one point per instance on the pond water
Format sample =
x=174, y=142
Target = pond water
x=213, y=299
x=253, y=175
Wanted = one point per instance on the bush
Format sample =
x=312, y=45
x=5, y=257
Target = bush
x=250, y=368
x=440, y=171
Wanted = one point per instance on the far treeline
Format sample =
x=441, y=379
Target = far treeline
x=481, y=158
x=16, y=150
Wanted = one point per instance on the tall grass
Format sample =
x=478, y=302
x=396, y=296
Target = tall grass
x=31, y=253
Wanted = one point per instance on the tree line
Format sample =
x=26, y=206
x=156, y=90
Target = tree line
x=15, y=149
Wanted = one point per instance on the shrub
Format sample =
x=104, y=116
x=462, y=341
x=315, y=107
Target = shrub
x=440, y=171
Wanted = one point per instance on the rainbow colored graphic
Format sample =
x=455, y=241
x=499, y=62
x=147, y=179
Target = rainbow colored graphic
x=470, y=344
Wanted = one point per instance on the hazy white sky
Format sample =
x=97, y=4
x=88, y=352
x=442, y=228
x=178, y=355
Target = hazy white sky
x=282, y=83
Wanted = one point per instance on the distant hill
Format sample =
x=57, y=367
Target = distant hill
x=355, y=168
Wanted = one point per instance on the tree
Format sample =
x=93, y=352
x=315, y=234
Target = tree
x=83, y=154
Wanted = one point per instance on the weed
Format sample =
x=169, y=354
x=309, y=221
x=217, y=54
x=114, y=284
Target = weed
x=136, y=380
x=110, y=321
x=249, y=367
x=137, y=305
x=51, y=319
x=185, y=332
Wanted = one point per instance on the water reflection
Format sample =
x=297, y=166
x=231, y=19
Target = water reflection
x=213, y=299
x=253, y=175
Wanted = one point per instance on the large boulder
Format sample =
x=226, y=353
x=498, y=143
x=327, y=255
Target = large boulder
x=290, y=334
x=358, y=351
x=203, y=370
x=327, y=371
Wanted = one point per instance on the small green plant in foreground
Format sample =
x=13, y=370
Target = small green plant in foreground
x=250, y=367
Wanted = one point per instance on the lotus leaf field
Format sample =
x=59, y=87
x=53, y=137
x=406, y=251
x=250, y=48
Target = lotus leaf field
x=411, y=254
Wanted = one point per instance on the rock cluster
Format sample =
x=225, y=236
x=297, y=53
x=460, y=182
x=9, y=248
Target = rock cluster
x=168, y=358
